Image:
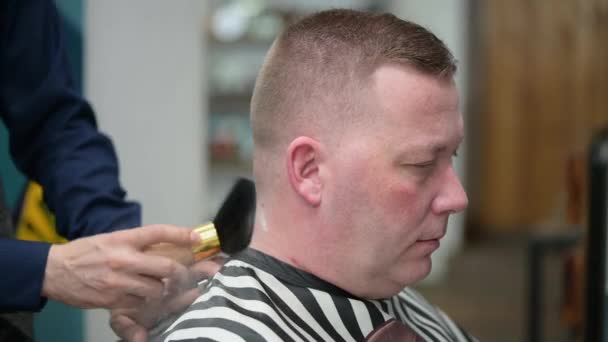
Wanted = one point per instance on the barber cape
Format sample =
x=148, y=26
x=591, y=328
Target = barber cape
x=256, y=297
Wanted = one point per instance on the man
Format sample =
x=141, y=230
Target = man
x=355, y=122
x=54, y=141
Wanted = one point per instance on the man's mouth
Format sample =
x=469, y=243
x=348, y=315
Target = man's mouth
x=433, y=237
x=431, y=242
x=429, y=245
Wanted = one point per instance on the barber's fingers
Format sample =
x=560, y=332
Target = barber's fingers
x=182, y=301
x=142, y=237
x=137, y=286
x=127, y=329
x=181, y=281
x=135, y=262
x=125, y=301
x=206, y=268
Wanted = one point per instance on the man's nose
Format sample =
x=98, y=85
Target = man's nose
x=452, y=198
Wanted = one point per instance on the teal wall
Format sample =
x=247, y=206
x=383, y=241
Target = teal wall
x=12, y=180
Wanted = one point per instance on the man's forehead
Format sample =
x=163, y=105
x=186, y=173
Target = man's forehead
x=407, y=97
x=401, y=87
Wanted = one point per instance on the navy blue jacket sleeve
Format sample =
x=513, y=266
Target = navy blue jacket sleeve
x=53, y=140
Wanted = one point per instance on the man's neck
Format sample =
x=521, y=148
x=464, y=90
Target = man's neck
x=284, y=247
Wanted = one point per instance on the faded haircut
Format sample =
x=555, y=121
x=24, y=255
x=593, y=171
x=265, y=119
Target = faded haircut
x=318, y=68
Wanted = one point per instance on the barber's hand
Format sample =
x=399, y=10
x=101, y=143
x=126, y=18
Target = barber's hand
x=111, y=271
x=132, y=324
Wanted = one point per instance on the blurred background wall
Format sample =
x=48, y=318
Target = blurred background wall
x=144, y=75
x=540, y=81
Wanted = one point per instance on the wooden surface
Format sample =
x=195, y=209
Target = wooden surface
x=541, y=90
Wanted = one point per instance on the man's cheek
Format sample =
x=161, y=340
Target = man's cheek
x=404, y=198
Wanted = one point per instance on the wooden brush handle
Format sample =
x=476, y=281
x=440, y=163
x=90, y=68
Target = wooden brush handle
x=183, y=255
x=209, y=245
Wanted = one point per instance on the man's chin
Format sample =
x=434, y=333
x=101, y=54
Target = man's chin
x=418, y=271
x=405, y=275
x=395, y=287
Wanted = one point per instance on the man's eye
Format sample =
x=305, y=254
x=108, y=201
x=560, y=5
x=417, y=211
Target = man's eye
x=425, y=165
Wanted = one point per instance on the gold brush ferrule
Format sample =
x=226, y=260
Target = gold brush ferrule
x=209, y=238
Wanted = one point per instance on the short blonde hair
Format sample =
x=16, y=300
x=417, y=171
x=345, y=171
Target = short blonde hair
x=316, y=70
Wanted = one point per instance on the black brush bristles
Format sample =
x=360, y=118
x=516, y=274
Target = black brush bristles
x=234, y=219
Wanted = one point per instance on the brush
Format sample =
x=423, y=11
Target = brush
x=229, y=231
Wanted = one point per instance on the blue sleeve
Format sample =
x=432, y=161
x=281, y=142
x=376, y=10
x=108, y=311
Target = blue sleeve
x=22, y=264
x=53, y=140
x=53, y=134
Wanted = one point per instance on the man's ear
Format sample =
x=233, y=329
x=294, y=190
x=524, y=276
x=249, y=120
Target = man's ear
x=304, y=158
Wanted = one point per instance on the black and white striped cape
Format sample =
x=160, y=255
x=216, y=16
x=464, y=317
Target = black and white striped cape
x=258, y=298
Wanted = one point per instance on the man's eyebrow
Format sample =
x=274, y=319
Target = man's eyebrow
x=429, y=150
x=438, y=148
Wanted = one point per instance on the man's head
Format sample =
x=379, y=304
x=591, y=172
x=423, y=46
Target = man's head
x=355, y=120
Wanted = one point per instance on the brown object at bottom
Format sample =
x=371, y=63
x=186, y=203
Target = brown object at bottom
x=573, y=290
x=572, y=310
x=393, y=331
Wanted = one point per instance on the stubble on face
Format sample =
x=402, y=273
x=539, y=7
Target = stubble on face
x=382, y=198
